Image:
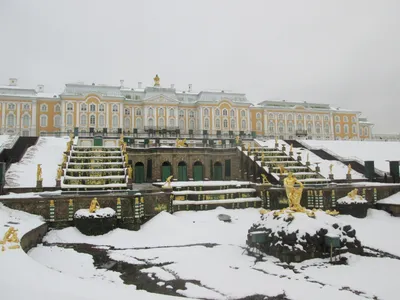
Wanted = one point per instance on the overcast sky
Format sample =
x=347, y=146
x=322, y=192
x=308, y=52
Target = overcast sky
x=346, y=53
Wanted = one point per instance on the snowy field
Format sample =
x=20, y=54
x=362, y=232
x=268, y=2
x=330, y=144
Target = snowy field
x=6, y=140
x=204, y=254
x=377, y=151
x=48, y=152
x=339, y=169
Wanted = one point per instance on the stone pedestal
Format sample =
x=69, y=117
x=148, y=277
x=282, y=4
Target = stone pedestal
x=298, y=158
x=331, y=176
x=39, y=184
x=348, y=177
x=317, y=169
x=58, y=183
x=276, y=145
x=307, y=163
x=283, y=148
x=291, y=153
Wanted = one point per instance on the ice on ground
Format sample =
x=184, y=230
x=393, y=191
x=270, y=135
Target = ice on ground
x=48, y=152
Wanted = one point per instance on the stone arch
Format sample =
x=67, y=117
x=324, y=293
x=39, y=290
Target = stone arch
x=217, y=171
x=182, y=171
x=198, y=171
x=139, y=172
x=166, y=170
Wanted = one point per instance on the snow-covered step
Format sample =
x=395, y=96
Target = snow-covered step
x=213, y=192
x=94, y=177
x=102, y=163
x=201, y=202
x=97, y=157
x=97, y=170
x=87, y=186
x=95, y=151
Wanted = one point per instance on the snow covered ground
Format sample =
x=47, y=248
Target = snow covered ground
x=197, y=246
x=377, y=151
x=339, y=169
x=48, y=152
x=6, y=140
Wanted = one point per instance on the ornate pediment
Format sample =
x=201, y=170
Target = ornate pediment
x=161, y=99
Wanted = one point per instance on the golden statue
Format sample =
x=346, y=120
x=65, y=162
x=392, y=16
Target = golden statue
x=349, y=169
x=293, y=194
x=291, y=148
x=10, y=237
x=181, y=143
x=123, y=147
x=330, y=168
x=94, y=206
x=276, y=140
x=59, y=172
x=281, y=169
x=248, y=149
x=69, y=146
x=265, y=179
x=126, y=158
x=71, y=136
x=130, y=172
x=167, y=184
x=121, y=139
x=156, y=80
x=262, y=156
x=353, y=195
x=39, y=173
x=237, y=138
x=65, y=158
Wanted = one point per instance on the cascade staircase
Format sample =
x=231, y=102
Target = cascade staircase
x=209, y=195
x=15, y=154
x=95, y=168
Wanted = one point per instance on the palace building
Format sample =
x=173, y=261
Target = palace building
x=106, y=108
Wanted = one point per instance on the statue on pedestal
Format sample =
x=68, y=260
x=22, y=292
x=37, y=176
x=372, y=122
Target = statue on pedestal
x=39, y=173
x=156, y=80
x=167, y=184
x=237, y=138
x=349, y=169
x=126, y=158
x=265, y=179
x=291, y=148
x=293, y=194
x=59, y=172
x=353, y=195
x=130, y=172
x=330, y=169
x=94, y=206
x=181, y=143
x=10, y=237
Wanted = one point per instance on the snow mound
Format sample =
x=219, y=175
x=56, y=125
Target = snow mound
x=163, y=220
x=106, y=212
x=393, y=199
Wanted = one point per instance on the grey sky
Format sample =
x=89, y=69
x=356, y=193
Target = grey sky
x=346, y=53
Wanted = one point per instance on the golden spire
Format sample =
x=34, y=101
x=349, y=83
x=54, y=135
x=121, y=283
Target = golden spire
x=156, y=80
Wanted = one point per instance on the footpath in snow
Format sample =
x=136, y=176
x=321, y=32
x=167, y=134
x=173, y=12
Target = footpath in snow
x=48, y=152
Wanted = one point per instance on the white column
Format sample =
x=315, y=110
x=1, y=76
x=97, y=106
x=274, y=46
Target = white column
x=187, y=121
x=249, y=129
x=333, y=130
x=201, y=119
x=107, y=116
x=62, y=116
x=18, y=116
x=265, y=114
x=33, y=117
x=78, y=119
x=121, y=115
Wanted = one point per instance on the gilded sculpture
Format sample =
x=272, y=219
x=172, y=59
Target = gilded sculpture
x=94, y=205
x=39, y=173
x=353, y=194
x=181, y=143
x=330, y=169
x=156, y=80
x=167, y=184
x=59, y=172
x=130, y=172
x=265, y=179
x=237, y=138
x=282, y=169
x=293, y=194
x=126, y=158
x=291, y=148
x=276, y=140
x=10, y=237
x=349, y=169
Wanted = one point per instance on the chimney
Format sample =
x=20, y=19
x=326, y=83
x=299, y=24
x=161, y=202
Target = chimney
x=190, y=87
x=122, y=83
x=40, y=88
x=139, y=85
x=13, y=82
x=172, y=86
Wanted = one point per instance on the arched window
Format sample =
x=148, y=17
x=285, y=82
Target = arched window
x=206, y=123
x=181, y=124
x=243, y=113
x=337, y=119
x=299, y=117
x=26, y=107
x=43, y=121
x=300, y=126
x=353, y=119
x=181, y=113
x=244, y=124
x=224, y=112
x=92, y=107
x=366, y=131
x=326, y=118
x=258, y=126
x=225, y=123
x=290, y=117
x=206, y=112
x=191, y=114
x=101, y=121
x=83, y=107
x=150, y=111
x=345, y=119
x=92, y=120
x=127, y=111
x=83, y=120
x=271, y=126
x=11, y=106
x=151, y=122
x=217, y=112
x=115, y=108
x=281, y=127
x=161, y=111
x=318, y=128
x=43, y=107
x=138, y=112
x=233, y=124
x=354, y=129
x=171, y=122
x=271, y=116
x=127, y=122
x=172, y=112
x=290, y=127
x=101, y=107
x=258, y=116
x=361, y=131
x=346, y=129
x=316, y=118
x=280, y=117
x=191, y=124
x=337, y=128
x=326, y=128
x=309, y=127
x=139, y=123
x=218, y=123
x=161, y=122
x=70, y=107
x=308, y=117
x=26, y=120
x=57, y=108
x=115, y=121
x=69, y=119
x=57, y=121
x=232, y=112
